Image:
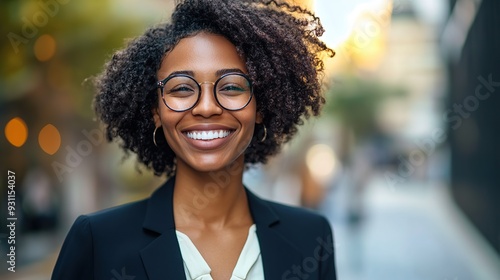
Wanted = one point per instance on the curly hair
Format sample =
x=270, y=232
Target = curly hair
x=279, y=43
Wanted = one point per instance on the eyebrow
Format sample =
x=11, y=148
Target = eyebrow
x=218, y=73
x=225, y=71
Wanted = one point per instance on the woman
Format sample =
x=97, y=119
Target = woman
x=223, y=85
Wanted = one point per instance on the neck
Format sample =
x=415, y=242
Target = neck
x=215, y=199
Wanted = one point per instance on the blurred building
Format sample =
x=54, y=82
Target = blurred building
x=471, y=43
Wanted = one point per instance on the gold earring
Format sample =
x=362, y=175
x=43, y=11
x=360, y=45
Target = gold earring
x=154, y=135
x=265, y=134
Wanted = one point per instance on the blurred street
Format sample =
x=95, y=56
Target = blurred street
x=413, y=232
x=403, y=160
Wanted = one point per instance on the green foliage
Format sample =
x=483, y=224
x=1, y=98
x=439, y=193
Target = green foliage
x=355, y=102
x=86, y=33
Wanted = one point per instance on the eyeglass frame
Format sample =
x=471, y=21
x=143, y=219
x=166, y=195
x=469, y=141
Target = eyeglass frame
x=161, y=85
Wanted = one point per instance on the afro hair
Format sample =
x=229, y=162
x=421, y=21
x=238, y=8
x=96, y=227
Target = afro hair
x=282, y=51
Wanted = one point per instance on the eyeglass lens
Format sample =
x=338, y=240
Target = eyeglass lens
x=233, y=92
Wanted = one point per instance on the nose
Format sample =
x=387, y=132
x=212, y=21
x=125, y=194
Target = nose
x=207, y=104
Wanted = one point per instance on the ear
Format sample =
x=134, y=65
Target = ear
x=258, y=118
x=156, y=116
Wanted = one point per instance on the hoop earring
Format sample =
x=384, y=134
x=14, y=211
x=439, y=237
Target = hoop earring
x=154, y=135
x=265, y=133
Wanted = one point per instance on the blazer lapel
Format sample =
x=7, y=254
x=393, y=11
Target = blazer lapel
x=278, y=254
x=162, y=257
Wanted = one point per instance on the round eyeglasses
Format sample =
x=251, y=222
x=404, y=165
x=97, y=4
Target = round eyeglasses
x=180, y=92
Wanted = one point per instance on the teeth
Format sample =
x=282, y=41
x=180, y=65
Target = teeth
x=208, y=135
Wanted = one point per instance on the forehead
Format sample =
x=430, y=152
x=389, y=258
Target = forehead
x=203, y=54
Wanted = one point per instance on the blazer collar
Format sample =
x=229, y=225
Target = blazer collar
x=278, y=253
x=160, y=212
x=162, y=257
x=262, y=213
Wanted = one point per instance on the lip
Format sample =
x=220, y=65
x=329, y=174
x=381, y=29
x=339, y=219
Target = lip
x=207, y=144
x=202, y=127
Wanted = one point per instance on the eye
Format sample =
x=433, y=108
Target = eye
x=180, y=90
x=232, y=89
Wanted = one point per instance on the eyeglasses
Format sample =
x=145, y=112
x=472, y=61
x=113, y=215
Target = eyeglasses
x=180, y=92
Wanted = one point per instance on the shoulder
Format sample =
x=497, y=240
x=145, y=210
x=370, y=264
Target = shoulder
x=106, y=231
x=298, y=223
x=298, y=215
x=95, y=243
x=117, y=220
x=120, y=212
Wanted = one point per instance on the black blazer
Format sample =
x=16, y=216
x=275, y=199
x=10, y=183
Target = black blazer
x=138, y=241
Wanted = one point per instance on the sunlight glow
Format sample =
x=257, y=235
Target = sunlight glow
x=321, y=162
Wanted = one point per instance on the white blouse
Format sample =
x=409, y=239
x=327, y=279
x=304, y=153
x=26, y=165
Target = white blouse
x=248, y=267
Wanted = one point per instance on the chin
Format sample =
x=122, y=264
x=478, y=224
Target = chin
x=202, y=165
x=213, y=165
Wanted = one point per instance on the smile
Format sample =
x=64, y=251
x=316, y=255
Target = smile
x=208, y=134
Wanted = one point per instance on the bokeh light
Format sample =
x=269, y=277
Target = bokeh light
x=16, y=132
x=45, y=47
x=322, y=162
x=49, y=139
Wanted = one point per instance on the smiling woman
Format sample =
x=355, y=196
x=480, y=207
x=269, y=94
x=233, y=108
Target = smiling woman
x=205, y=56
x=222, y=86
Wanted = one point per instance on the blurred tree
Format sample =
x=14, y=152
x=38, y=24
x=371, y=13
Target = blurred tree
x=48, y=49
x=82, y=34
x=355, y=102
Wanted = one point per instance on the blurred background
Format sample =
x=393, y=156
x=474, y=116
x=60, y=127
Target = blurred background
x=403, y=161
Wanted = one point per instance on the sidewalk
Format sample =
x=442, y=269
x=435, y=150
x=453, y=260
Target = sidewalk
x=412, y=232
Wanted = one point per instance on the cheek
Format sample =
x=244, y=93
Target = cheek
x=247, y=119
x=169, y=121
